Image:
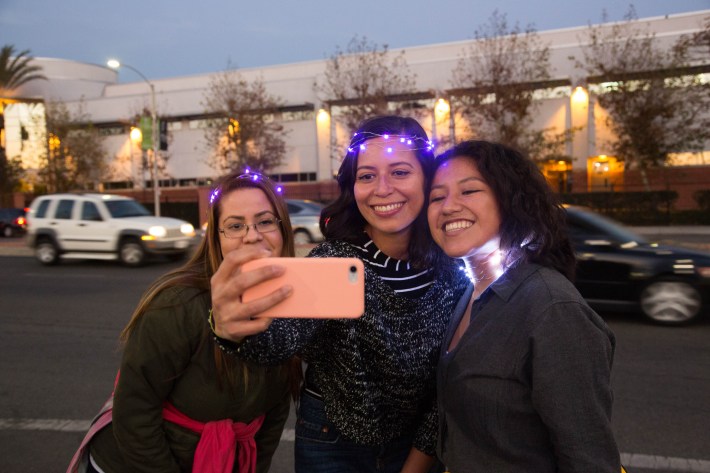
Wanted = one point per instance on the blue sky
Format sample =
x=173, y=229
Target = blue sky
x=176, y=38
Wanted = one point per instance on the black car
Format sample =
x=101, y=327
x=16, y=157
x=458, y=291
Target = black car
x=13, y=222
x=619, y=270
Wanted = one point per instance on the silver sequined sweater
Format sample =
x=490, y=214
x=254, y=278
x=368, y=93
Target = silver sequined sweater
x=376, y=373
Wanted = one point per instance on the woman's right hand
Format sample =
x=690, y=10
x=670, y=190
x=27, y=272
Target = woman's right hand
x=234, y=319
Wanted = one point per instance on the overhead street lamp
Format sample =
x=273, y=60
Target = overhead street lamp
x=114, y=64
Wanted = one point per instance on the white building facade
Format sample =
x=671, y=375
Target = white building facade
x=112, y=106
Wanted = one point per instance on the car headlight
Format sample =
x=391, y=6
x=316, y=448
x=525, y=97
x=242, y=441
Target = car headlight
x=703, y=271
x=187, y=229
x=157, y=231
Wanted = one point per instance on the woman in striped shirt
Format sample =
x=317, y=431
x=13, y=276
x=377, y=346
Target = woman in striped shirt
x=368, y=402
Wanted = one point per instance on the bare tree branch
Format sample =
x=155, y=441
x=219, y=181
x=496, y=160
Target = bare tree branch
x=495, y=83
x=362, y=80
x=656, y=101
x=243, y=130
x=75, y=158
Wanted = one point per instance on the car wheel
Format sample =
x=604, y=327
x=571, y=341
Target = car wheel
x=8, y=232
x=47, y=252
x=670, y=302
x=301, y=237
x=131, y=253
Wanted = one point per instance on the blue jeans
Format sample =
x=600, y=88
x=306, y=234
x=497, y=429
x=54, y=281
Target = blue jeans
x=321, y=448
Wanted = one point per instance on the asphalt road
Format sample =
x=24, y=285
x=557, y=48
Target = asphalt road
x=59, y=355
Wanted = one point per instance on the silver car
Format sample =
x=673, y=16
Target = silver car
x=305, y=218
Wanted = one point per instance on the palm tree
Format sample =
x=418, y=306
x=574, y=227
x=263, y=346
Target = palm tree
x=15, y=69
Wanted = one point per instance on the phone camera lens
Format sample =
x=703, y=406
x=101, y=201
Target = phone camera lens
x=353, y=269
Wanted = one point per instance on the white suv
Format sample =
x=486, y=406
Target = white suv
x=102, y=226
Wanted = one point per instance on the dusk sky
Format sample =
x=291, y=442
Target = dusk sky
x=178, y=38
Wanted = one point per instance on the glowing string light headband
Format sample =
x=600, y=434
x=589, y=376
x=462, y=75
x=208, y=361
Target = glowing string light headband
x=248, y=175
x=411, y=142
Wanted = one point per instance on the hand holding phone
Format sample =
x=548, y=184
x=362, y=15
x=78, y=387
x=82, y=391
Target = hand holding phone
x=322, y=287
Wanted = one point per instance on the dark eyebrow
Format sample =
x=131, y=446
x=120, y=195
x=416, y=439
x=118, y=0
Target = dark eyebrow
x=239, y=217
x=401, y=163
x=466, y=179
x=398, y=163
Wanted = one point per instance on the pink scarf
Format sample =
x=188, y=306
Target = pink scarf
x=218, y=442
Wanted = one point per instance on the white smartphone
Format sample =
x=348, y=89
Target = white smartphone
x=331, y=288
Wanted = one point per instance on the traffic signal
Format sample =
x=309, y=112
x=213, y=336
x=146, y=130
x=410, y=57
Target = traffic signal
x=163, y=127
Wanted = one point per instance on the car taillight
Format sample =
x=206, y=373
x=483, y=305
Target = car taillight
x=20, y=221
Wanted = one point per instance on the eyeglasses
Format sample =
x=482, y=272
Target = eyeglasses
x=240, y=230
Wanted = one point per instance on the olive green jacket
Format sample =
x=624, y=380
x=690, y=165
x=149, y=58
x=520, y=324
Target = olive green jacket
x=170, y=357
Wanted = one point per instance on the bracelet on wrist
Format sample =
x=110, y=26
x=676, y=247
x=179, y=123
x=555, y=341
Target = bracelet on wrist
x=227, y=346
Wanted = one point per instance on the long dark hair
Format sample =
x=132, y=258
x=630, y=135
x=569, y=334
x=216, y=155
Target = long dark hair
x=342, y=220
x=533, y=222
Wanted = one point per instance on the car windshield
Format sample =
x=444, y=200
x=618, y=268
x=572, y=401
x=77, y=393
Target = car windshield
x=313, y=206
x=305, y=207
x=126, y=208
x=612, y=230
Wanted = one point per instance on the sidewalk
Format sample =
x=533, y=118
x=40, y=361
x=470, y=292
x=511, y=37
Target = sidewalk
x=14, y=247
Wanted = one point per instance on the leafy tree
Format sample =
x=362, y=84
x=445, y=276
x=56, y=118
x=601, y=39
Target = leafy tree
x=243, y=129
x=15, y=69
x=364, y=80
x=656, y=103
x=75, y=159
x=495, y=82
x=10, y=177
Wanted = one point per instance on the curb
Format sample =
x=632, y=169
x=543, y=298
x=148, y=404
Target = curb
x=18, y=247
x=15, y=247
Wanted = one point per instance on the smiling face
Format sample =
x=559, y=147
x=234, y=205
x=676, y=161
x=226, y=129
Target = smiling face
x=463, y=213
x=389, y=188
x=248, y=206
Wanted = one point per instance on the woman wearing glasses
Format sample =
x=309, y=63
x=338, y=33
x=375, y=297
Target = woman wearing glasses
x=368, y=403
x=179, y=400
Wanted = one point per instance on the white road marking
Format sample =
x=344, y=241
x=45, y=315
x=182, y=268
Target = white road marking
x=61, y=425
x=656, y=462
x=631, y=460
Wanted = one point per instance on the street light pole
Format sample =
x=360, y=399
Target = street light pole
x=114, y=64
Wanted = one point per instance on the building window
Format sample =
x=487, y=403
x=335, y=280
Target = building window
x=294, y=177
x=118, y=185
x=299, y=115
x=112, y=130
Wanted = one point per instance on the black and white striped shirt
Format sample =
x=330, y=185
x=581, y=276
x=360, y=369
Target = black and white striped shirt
x=398, y=274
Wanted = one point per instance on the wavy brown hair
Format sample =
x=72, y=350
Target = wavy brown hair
x=198, y=271
x=342, y=220
x=533, y=221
